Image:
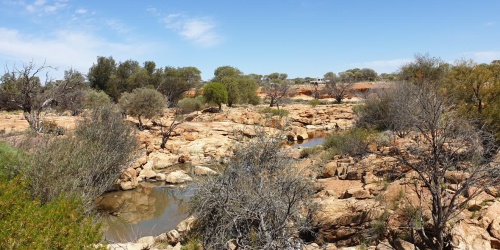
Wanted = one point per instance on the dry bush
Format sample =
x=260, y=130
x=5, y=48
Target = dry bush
x=86, y=164
x=258, y=202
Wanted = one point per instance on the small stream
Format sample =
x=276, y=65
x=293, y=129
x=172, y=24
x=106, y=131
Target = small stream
x=151, y=209
x=154, y=208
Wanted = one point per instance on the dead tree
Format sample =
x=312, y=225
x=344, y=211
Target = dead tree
x=447, y=144
x=30, y=95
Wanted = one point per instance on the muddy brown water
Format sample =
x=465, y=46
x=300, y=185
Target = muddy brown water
x=149, y=210
x=154, y=208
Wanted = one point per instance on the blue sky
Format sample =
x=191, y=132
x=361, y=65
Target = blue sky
x=303, y=38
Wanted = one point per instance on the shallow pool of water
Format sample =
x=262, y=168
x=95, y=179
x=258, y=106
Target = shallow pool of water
x=309, y=142
x=150, y=209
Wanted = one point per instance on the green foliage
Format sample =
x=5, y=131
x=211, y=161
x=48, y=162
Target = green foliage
x=354, y=142
x=58, y=224
x=240, y=88
x=51, y=127
x=314, y=102
x=11, y=161
x=174, y=82
x=215, y=93
x=275, y=112
x=84, y=165
x=306, y=152
x=189, y=104
x=143, y=103
x=378, y=227
x=95, y=99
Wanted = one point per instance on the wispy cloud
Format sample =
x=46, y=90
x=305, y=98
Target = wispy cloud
x=483, y=56
x=201, y=31
x=383, y=66
x=490, y=24
x=117, y=26
x=44, y=7
x=65, y=48
x=81, y=11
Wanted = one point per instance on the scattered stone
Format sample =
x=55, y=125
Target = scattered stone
x=147, y=241
x=126, y=185
x=178, y=176
x=185, y=226
x=173, y=237
x=201, y=170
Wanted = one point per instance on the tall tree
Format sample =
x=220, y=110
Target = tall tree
x=143, y=103
x=216, y=93
x=241, y=88
x=276, y=88
x=174, y=82
x=100, y=73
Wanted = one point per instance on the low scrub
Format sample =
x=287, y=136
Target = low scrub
x=85, y=164
x=354, y=142
x=258, y=202
x=274, y=112
x=188, y=105
x=29, y=224
x=306, y=152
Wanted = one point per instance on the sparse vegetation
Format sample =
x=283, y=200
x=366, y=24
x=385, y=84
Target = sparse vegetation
x=257, y=202
x=274, y=112
x=143, y=103
x=189, y=104
x=84, y=165
x=354, y=142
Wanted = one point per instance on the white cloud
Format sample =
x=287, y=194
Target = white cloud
x=117, y=26
x=81, y=11
x=383, y=66
x=483, y=56
x=42, y=6
x=490, y=24
x=200, y=31
x=65, y=49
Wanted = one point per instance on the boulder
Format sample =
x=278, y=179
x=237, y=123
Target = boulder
x=126, y=185
x=178, y=176
x=147, y=241
x=185, y=226
x=148, y=173
x=330, y=169
x=162, y=160
x=161, y=176
x=173, y=237
x=201, y=170
x=466, y=235
x=128, y=246
x=384, y=245
x=401, y=244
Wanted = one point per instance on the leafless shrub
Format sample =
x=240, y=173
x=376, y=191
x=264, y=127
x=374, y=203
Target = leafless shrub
x=258, y=202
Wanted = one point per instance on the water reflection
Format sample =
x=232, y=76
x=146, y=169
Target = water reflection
x=150, y=209
x=309, y=142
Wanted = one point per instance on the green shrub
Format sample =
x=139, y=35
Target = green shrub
x=188, y=105
x=306, y=152
x=58, y=224
x=314, y=102
x=143, y=103
x=95, y=99
x=11, y=160
x=51, y=127
x=274, y=112
x=354, y=142
x=84, y=165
